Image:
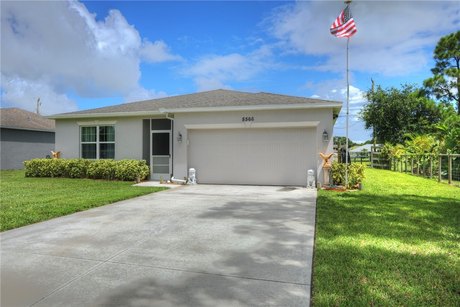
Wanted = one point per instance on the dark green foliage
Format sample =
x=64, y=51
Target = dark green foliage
x=127, y=170
x=445, y=83
x=449, y=131
x=341, y=141
x=355, y=174
x=395, y=113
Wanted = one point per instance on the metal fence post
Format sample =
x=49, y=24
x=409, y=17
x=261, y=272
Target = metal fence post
x=439, y=168
x=418, y=165
x=431, y=166
x=449, y=157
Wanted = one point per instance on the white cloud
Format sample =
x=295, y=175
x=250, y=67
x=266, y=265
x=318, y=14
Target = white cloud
x=61, y=46
x=144, y=94
x=157, y=52
x=328, y=90
x=215, y=71
x=391, y=36
x=24, y=95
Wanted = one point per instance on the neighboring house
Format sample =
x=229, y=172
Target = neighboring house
x=229, y=137
x=24, y=135
x=365, y=147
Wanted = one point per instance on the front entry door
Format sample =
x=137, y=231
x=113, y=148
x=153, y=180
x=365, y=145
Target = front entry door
x=161, y=155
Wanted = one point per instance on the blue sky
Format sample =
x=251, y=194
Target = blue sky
x=78, y=55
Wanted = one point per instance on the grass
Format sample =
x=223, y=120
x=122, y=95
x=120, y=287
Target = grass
x=396, y=243
x=30, y=200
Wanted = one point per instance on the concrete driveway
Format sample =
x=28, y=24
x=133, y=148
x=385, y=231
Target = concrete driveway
x=197, y=245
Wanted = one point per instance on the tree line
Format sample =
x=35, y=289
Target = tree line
x=423, y=119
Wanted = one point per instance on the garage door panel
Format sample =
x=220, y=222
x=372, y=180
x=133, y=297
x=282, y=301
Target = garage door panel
x=252, y=156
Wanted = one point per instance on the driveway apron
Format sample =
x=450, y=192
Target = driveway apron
x=202, y=245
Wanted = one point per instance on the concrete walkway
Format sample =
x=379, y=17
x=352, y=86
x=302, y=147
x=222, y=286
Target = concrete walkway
x=191, y=246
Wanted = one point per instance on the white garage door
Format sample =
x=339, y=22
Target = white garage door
x=260, y=156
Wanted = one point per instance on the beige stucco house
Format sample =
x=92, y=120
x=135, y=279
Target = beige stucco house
x=229, y=137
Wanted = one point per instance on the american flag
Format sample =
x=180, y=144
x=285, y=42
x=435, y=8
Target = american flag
x=344, y=25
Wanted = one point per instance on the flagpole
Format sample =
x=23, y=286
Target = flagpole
x=346, y=126
x=344, y=26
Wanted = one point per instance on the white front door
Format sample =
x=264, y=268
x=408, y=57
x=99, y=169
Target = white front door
x=161, y=162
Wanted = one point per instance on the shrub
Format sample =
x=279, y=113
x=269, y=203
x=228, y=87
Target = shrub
x=37, y=168
x=127, y=170
x=102, y=169
x=76, y=168
x=131, y=170
x=355, y=174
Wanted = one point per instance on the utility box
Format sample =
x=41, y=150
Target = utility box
x=311, y=179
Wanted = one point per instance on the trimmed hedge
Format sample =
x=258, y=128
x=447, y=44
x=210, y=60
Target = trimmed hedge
x=126, y=170
x=355, y=174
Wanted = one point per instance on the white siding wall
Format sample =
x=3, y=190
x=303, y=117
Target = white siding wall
x=67, y=138
x=128, y=137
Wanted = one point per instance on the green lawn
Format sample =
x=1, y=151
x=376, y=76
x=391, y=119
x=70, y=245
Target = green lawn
x=29, y=200
x=396, y=243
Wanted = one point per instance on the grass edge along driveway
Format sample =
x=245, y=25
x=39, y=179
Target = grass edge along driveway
x=395, y=243
x=26, y=201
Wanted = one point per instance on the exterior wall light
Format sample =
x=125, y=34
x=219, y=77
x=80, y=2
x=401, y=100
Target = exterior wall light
x=179, y=137
x=325, y=136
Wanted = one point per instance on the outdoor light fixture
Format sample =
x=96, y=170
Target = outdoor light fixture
x=179, y=137
x=325, y=136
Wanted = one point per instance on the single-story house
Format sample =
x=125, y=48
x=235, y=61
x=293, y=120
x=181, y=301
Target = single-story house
x=228, y=137
x=365, y=147
x=24, y=135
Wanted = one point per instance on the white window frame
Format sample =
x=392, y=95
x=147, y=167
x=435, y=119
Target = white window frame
x=97, y=142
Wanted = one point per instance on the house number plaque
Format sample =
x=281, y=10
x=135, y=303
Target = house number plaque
x=247, y=119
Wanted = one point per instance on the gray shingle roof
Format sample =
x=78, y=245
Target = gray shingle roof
x=215, y=98
x=21, y=119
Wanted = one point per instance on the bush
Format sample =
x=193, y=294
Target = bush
x=127, y=170
x=38, y=168
x=355, y=174
x=131, y=170
x=102, y=169
x=76, y=168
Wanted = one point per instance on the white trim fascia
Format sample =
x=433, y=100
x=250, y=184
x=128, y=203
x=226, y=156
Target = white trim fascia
x=97, y=123
x=98, y=115
x=254, y=108
x=306, y=124
x=162, y=111
x=28, y=129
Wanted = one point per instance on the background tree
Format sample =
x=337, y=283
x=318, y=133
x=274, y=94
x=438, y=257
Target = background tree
x=445, y=83
x=340, y=141
x=448, y=130
x=396, y=113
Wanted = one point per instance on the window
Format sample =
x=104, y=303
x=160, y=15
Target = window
x=98, y=142
x=161, y=124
